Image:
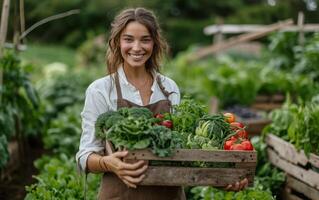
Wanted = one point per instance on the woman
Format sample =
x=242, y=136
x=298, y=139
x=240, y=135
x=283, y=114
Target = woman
x=135, y=49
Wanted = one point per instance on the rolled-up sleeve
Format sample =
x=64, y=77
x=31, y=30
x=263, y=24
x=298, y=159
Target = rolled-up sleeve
x=94, y=105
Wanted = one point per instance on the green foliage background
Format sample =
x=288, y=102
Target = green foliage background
x=181, y=20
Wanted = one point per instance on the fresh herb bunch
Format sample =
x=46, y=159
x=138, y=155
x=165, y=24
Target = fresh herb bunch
x=185, y=117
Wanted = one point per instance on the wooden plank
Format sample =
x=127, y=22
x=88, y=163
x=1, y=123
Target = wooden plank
x=266, y=106
x=314, y=160
x=239, y=39
x=287, y=195
x=303, y=188
x=197, y=155
x=241, y=28
x=183, y=176
x=286, y=150
x=245, y=165
x=308, y=176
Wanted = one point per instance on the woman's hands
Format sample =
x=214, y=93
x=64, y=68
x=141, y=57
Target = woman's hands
x=238, y=185
x=130, y=173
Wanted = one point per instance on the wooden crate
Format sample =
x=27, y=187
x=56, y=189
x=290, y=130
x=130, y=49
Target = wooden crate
x=244, y=164
x=304, y=177
x=296, y=189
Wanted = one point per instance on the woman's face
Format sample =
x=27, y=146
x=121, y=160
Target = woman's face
x=136, y=44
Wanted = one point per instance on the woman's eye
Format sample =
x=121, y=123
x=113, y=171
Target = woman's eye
x=128, y=39
x=146, y=40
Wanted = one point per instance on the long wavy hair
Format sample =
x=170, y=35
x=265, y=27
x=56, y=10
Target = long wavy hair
x=146, y=17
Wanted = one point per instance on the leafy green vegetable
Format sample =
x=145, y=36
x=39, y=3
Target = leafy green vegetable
x=164, y=140
x=210, y=133
x=135, y=128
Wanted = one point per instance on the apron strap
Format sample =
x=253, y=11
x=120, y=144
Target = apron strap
x=118, y=86
x=165, y=92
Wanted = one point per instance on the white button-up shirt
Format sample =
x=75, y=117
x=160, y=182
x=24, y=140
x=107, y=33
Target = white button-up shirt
x=101, y=97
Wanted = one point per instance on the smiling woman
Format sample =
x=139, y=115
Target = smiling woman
x=135, y=48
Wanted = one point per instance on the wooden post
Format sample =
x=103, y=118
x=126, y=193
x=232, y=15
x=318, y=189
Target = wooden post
x=218, y=37
x=3, y=33
x=22, y=18
x=301, y=38
x=16, y=26
x=4, y=24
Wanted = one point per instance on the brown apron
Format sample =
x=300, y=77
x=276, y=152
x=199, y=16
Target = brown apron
x=112, y=188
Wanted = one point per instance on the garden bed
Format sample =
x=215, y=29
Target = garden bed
x=268, y=102
x=303, y=170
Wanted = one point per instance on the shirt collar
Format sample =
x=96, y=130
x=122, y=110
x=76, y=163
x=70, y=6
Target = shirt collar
x=122, y=76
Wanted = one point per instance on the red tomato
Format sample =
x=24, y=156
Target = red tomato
x=167, y=124
x=236, y=125
x=242, y=133
x=230, y=117
x=229, y=143
x=237, y=147
x=247, y=145
x=159, y=116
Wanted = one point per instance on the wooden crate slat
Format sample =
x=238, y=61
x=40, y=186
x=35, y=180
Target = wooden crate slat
x=218, y=177
x=245, y=165
x=197, y=155
x=314, y=160
x=287, y=195
x=303, y=188
x=286, y=150
x=308, y=176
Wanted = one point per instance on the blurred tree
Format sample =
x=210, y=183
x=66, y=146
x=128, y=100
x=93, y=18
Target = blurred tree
x=175, y=16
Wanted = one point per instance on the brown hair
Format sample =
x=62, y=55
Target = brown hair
x=147, y=18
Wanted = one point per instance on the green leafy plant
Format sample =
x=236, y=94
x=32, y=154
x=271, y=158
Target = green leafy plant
x=19, y=102
x=63, y=133
x=200, y=193
x=297, y=124
x=58, y=179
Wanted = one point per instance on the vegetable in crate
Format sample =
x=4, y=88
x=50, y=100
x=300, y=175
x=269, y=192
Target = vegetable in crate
x=185, y=117
x=210, y=133
x=162, y=120
x=239, y=140
x=136, y=128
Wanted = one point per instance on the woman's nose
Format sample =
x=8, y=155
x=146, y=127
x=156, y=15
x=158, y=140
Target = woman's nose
x=136, y=46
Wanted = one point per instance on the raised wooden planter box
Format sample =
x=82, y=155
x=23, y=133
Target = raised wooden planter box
x=254, y=126
x=13, y=162
x=304, y=176
x=243, y=165
x=268, y=102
